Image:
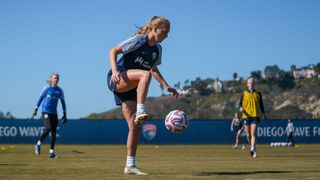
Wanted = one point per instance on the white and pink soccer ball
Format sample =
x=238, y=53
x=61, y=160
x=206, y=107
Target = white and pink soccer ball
x=176, y=121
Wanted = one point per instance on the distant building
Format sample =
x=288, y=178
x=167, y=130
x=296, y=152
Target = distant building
x=216, y=86
x=188, y=91
x=304, y=73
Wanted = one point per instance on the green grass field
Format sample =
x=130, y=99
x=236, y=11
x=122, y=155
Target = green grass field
x=161, y=162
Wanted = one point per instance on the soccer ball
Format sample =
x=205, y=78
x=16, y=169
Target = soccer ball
x=176, y=121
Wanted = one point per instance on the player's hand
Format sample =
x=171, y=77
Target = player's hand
x=34, y=113
x=173, y=91
x=115, y=78
x=64, y=118
x=241, y=110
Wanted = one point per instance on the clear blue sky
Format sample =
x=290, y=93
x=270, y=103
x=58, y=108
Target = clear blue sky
x=208, y=39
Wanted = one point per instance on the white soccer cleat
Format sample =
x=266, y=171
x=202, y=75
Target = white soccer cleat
x=37, y=149
x=134, y=170
x=235, y=146
x=254, y=154
x=243, y=147
x=140, y=118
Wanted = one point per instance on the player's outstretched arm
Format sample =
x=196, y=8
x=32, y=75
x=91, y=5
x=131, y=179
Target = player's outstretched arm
x=157, y=75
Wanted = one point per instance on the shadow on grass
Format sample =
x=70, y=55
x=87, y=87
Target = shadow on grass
x=5, y=164
x=245, y=173
x=78, y=152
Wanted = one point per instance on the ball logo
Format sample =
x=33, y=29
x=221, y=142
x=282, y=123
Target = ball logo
x=149, y=131
x=176, y=121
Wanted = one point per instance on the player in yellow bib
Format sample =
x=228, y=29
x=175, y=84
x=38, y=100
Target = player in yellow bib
x=251, y=106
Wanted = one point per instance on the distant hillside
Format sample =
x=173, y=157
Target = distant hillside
x=285, y=94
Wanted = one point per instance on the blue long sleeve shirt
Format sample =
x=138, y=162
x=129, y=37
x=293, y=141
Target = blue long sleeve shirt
x=50, y=97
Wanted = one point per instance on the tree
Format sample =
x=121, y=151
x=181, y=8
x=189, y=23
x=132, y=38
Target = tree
x=186, y=82
x=256, y=74
x=287, y=81
x=235, y=76
x=317, y=68
x=177, y=86
x=199, y=86
x=273, y=72
x=293, y=67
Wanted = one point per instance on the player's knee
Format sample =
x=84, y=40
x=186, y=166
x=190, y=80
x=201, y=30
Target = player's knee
x=147, y=75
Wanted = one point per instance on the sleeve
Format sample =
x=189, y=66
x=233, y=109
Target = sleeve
x=261, y=103
x=232, y=122
x=64, y=108
x=240, y=102
x=160, y=54
x=132, y=43
x=42, y=95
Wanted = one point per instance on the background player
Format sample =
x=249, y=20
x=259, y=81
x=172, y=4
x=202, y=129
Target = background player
x=250, y=105
x=237, y=127
x=290, y=132
x=50, y=96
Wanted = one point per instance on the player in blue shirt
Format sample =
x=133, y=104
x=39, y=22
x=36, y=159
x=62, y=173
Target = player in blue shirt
x=49, y=98
x=130, y=76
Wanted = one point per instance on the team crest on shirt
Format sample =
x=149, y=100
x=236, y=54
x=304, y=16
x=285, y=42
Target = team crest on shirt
x=149, y=131
x=154, y=55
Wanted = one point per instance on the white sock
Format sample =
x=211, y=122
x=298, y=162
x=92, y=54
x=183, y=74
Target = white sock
x=51, y=151
x=252, y=148
x=39, y=143
x=131, y=161
x=140, y=108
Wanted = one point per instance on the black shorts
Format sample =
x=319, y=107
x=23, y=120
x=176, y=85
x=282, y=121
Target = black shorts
x=119, y=98
x=50, y=121
x=249, y=121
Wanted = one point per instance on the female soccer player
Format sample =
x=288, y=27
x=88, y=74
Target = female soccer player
x=50, y=96
x=130, y=76
x=237, y=127
x=251, y=106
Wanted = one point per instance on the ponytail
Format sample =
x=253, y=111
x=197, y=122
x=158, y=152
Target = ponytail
x=155, y=21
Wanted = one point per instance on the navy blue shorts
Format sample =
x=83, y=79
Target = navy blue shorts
x=119, y=98
x=249, y=121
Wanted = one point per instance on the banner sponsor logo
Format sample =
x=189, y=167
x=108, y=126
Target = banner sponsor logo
x=149, y=131
x=21, y=131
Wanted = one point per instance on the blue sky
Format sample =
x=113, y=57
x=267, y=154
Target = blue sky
x=208, y=39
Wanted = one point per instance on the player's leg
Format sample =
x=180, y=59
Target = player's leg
x=248, y=133
x=44, y=134
x=237, y=140
x=253, y=139
x=290, y=139
x=54, y=124
x=139, y=79
x=129, y=109
x=241, y=132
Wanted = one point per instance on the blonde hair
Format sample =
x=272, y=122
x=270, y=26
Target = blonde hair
x=155, y=21
x=251, y=79
x=53, y=74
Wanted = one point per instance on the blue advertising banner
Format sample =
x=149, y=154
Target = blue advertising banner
x=154, y=132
